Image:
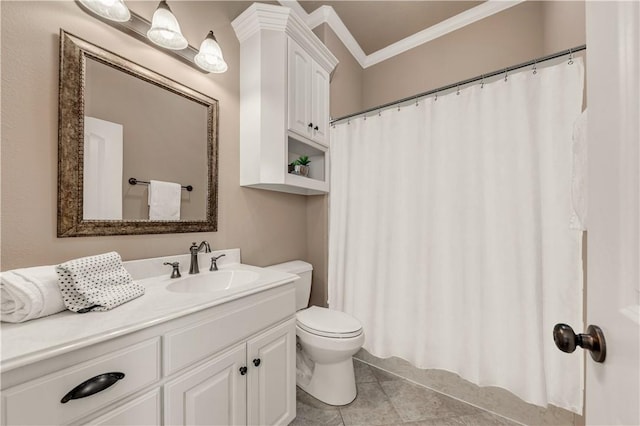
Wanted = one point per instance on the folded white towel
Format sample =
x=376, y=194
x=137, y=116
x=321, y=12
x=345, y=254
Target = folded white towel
x=96, y=283
x=30, y=293
x=164, y=200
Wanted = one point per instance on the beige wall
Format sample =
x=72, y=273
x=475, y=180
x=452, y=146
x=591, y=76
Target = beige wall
x=509, y=37
x=267, y=226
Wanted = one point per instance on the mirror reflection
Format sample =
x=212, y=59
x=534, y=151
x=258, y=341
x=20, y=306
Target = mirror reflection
x=135, y=129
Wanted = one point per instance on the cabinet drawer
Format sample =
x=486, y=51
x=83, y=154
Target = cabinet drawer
x=236, y=322
x=144, y=410
x=39, y=401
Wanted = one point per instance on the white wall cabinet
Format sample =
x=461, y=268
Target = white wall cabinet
x=233, y=364
x=284, y=100
x=308, y=90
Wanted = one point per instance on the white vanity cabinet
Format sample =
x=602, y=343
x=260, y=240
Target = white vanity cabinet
x=231, y=364
x=253, y=383
x=284, y=100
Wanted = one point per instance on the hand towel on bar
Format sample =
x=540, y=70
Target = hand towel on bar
x=30, y=293
x=96, y=283
x=578, y=218
x=164, y=200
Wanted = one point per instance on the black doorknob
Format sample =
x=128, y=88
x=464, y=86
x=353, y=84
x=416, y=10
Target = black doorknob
x=256, y=362
x=243, y=371
x=593, y=340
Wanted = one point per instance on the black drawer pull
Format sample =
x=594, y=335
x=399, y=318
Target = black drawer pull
x=243, y=371
x=93, y=385
x=256, y=362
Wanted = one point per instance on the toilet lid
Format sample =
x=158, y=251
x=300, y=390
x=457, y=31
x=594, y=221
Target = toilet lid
x=328, y=323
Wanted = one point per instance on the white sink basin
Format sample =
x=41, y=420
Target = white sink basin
x=208, y=282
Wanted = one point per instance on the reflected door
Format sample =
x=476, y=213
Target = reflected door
x=102, y=174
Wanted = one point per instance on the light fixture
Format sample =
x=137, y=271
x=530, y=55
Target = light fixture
x=113, y=10
x=209, y=58
x=165, y=30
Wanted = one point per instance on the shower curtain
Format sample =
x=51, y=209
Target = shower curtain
x=449, y=232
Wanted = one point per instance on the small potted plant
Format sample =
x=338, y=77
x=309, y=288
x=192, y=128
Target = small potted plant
x=301, y=166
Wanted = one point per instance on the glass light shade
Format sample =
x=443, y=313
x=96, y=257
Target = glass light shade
x=209, y=58
x=114, y=10
x=165, y=30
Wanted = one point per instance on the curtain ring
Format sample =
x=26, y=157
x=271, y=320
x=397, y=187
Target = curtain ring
x=436, y=98
x=398, y=108
x=379, y=113
x=417, y=102
x=482, y=82
x=535, y=68
x=365, y=118
x=506, y=75
x=570, y=57
x=349, y=121
x=458, y=91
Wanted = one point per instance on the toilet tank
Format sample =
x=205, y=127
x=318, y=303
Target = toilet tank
x=303, y=285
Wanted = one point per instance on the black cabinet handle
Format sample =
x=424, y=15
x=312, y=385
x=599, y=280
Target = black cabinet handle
x=93, y=385
x=316, y=128
x=310, y=125
x=256, y=362
x=243, y=371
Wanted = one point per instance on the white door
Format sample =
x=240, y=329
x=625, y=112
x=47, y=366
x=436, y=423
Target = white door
x=102, y=171
x=271, y=359
x=212, y=394
x=613, y=278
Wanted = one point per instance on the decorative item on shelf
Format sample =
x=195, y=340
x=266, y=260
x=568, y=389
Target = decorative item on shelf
x=164, y=32
x=300, y=166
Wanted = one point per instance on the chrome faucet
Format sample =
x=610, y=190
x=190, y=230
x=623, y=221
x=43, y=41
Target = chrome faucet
x=194, y=249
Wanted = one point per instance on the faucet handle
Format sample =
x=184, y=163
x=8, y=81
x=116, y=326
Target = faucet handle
x=175, y=273
x=214, y=262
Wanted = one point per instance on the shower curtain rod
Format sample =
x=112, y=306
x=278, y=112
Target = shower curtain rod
x=465, y=82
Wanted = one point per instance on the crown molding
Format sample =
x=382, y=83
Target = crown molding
x=260, y=16
x=326, y=14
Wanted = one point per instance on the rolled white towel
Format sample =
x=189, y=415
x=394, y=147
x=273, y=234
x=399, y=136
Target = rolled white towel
x=30, y=293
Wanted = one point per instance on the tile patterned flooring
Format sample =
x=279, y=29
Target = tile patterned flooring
x=386, y=399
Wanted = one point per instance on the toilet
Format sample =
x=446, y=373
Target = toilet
x=327, y=339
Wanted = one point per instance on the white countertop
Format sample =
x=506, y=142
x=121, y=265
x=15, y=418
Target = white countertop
x=50, y=336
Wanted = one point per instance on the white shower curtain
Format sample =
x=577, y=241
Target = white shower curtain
x=449, y=232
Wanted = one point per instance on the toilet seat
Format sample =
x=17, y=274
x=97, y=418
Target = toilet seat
x=328, y=323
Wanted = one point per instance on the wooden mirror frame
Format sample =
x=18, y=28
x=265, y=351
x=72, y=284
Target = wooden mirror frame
x=71, y=223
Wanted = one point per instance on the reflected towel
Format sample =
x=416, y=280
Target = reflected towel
x=30, y=293
x=164, y=200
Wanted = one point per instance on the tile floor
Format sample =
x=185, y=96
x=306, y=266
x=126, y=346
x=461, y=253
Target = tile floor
x=386, y=399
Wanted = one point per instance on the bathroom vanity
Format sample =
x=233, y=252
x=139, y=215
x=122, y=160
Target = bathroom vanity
x=188, y=354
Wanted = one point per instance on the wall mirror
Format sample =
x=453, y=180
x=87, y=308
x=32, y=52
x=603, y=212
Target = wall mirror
x=122, y=126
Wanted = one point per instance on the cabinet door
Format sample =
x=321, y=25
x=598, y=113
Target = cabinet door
x=320, y=104
x=211, y=394
x=299, y=88
x=271, y=384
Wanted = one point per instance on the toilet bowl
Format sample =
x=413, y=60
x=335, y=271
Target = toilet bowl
x=327, y=340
